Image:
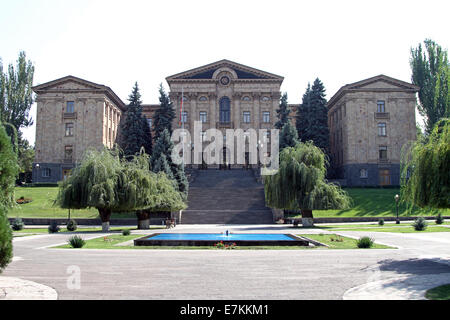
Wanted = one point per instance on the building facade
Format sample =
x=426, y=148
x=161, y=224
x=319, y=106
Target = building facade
x=366, y=136
x=370, y=121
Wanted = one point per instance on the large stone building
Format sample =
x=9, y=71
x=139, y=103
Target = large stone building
x=370, y=121
x=74, y=114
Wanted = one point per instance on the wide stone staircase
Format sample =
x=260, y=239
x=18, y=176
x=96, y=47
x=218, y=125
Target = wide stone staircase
x=226, y=197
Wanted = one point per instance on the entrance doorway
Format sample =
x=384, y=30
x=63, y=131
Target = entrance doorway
x=385, y=177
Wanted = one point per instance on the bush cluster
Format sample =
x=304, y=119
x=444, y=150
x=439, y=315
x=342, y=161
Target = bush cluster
x=126, y=232
x=17, y=225
x=365, y=242
x=381, y=222
x=53, y=227
x=420, y=224
x=76, y=242
x=72, y=225
x=439, y=219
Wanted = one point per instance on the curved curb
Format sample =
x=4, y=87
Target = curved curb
x=401, y=288
x=19, y=289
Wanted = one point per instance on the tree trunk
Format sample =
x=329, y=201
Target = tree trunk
x=105, y=216
x=307, y=218
x=143, y=219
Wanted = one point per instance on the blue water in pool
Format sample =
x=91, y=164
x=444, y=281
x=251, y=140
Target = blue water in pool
x=222, y=237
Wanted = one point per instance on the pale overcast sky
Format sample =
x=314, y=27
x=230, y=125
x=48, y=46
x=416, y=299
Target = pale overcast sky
x=116, y=43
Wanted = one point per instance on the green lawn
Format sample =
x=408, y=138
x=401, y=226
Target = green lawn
x=439, y=293
x=370, y=202
x=375, y=202
x=111, y=242
x=34, y=231
x=409, y=229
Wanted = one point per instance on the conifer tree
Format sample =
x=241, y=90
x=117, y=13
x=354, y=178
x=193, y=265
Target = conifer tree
x=164, y=115
x=147, y=135
x=282, y=112
x=319, y=117
x=133, y=128
x=302, y=117
x=288, y=136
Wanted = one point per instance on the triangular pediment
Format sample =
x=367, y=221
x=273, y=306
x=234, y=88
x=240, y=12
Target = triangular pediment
x=242, y=72
x=69, y=83
x=381, y=82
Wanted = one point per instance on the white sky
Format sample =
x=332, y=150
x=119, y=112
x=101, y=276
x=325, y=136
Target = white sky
x=116, y=43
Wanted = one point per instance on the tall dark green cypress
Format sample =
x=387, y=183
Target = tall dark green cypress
x=288, y=136
x=147, y=132
x=164, y=115
x=282, y=112
x=134, y=133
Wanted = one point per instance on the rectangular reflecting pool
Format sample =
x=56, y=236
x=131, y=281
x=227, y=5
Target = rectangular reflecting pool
x=210, y=239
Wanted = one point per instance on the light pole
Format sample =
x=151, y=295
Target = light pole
x=397, y=197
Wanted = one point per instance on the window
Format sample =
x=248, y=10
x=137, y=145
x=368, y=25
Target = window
x=382, y=129
x=46, y=173
x=70, y=107
x=68, y=152
x=383, y=153
x=265, y=98
x=203, y=136
x=150, y=123
x=69, y=129
x=225, y=110
x=266, y=136
x=266, y=117
x=184, y=116
x=246, y=98
x=247, y=117
x=203, y=116
x=381, y=106
x=203, y=98
x=363, y=173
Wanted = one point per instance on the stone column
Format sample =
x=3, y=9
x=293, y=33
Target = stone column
x=237, y=110
x=256, y=110
x=213, y=107
x=193, y=110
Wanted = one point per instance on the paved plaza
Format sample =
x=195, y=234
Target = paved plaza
x=419, y=262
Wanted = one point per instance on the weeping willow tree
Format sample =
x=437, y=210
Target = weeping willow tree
x=144, y=192
x=93, y=184
x=300, y=183
x=108, y=183
x=426, y=169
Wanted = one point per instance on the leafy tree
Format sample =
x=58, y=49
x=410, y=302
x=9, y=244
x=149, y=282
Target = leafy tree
x=300, y=183
x=25, y=160
x=93, y=184
x=8, y=172
x=426, y=169
x=16, y=95
x=164, y=115
x=134, y=129
x=430, y=71
x=283, y=112
x=288, y=136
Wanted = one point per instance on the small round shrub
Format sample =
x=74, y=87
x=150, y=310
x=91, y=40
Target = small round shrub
x=53, y=227
x=72, y=225
x=420, y=224
x=381, y=222
x=439, y=219
x=17, y=225
x=365, y=242
x=126, y=232
x=76, y=242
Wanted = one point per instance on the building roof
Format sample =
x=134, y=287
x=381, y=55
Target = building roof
x=361, y=86
x=87, y=86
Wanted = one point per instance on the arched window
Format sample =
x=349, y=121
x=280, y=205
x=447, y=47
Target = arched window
x=225, y=110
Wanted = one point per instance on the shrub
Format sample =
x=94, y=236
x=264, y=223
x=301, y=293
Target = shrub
x=72, y=225
x=53, y=227
x=420, y=224
x=126, y=232
x=381, y=222
x=439, y=219
x=76, y=242
x=17, y=225
x=6, y=252
x=365, y=242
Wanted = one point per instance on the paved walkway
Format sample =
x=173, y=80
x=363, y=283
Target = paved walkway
x=238, y=274
x=19, y=289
